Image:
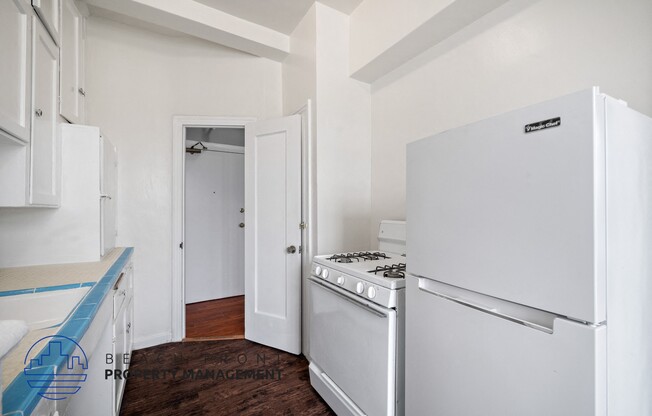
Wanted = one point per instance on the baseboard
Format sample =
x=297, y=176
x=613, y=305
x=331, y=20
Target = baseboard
x=152, y=340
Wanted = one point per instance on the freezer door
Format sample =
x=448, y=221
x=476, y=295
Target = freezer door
x=516, y=215
x=461, y=360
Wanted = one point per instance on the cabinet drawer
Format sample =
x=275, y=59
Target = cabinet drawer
x=122, y=289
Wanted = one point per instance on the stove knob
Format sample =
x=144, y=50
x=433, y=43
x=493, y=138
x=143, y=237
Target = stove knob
x=324, y=274
x=359, y=287
x=340, y=280
x=318, y=270
x=371, y=292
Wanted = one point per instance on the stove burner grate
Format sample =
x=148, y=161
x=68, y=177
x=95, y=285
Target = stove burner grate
x=359, y=256
x=395, y=271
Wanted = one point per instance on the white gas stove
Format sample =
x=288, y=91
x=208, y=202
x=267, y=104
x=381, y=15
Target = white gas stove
x=357, y=327
x=372, y=275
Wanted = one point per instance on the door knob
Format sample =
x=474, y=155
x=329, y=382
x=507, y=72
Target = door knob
x=292, y=249
x=241, y=225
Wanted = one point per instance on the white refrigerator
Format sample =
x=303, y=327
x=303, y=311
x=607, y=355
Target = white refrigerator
x=529, y=247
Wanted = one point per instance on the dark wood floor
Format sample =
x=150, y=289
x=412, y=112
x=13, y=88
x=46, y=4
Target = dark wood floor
x=216, y=378
x=220, y=318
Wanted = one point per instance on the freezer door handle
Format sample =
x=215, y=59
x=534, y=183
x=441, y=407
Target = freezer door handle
x=423, y=283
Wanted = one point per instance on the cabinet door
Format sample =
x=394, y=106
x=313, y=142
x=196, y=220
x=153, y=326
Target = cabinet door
x=96, y=392
x=15, y=65
x=72, y=91
x=129, y=331
x=119, y=344
x=49, y=11
x=45, y=145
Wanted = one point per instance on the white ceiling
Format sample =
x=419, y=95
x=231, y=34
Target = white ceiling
x=280, y=15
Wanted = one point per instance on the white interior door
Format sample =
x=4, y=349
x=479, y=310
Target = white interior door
x=214, y=238
x=272, y=234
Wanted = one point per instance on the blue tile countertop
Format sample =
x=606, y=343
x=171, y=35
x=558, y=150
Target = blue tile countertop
x=18, y=398
x=45, y=289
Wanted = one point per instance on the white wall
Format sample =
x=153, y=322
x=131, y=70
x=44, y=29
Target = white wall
x=300, y=67
x=299, y=86
x=136, y=81
x=318, y=68
x=376, y=25
x=525, y=53
x=343, y=140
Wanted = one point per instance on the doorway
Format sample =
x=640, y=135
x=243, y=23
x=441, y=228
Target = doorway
x=214, y=228
x=273, y=290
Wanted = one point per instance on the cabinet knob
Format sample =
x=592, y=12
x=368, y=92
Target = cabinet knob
x=38, y=112
x=82, y=92
x=241, y=225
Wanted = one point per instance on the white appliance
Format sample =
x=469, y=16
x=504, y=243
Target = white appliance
x=357, y=327
x=529, y=288
x=83, y=228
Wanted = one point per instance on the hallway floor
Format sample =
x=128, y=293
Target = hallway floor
x=219, y=378
x=216, y=319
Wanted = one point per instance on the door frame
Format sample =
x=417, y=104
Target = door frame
x=308, y=203
x=179, y=125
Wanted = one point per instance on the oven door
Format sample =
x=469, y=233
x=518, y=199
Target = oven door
x=353, y=342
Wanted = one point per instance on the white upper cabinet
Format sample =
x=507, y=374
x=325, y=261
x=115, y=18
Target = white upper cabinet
x=45, y=145
x=15, y=69
x=49, y=12
x=72, y=63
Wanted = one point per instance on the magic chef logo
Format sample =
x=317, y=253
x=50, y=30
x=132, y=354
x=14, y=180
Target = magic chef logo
x=541, y=125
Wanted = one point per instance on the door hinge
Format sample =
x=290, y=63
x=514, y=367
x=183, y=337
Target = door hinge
x=302, y=226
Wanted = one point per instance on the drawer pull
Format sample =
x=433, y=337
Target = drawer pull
x=117, y=283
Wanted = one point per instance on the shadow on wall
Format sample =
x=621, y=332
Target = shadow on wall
x=486, y=22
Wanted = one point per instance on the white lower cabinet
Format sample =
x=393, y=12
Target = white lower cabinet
x=122, y=332
x=96, y=394
x=101, y=394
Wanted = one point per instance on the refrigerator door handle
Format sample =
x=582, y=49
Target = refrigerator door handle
x=491, y=311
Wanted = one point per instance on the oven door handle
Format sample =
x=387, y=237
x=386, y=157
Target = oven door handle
x=369, y=307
